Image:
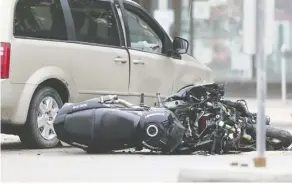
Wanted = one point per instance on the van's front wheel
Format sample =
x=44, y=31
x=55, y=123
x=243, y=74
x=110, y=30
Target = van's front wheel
x=38, y=131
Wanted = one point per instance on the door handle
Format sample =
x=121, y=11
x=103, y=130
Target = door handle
x=138, y=62
x=120, y=60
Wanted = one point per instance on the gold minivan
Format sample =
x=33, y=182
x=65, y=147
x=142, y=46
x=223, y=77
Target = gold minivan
x=57, y=51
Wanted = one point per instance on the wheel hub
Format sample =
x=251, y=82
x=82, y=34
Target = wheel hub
x=48, y=110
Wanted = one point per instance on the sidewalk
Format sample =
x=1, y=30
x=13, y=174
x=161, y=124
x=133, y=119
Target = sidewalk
x=275, y=171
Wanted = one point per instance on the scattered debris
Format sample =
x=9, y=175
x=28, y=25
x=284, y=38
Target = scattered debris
x=244, y=165
x=234, y=164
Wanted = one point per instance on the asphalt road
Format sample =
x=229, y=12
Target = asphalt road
x=67, y=164
x=73, y=165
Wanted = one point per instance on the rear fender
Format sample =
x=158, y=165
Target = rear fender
x=33, y=82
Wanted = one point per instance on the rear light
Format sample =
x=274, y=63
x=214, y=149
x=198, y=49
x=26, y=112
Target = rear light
x=5, y=59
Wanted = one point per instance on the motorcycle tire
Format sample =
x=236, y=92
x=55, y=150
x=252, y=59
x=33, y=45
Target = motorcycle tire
x=284, y=136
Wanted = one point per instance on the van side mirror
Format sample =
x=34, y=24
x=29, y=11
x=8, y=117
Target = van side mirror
x=180, y=45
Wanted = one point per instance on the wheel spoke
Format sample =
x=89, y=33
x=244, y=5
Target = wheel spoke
x=43, y=108
x=49, y=102
x=46, y=131
x=42, y=121
x=52, y=130
x=54, y=112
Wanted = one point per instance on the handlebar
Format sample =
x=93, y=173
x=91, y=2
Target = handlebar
x=114, y=99
x=126, y=103
x=106, y=98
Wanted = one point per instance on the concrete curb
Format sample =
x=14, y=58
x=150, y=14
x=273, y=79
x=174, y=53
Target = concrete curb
x=235, y=175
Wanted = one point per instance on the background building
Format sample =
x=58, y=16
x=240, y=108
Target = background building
x=220, y=28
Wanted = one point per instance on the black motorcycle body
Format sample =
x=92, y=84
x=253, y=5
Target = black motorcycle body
x=98, y=127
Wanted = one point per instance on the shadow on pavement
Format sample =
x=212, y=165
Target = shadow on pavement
x=12, y=146
x=18, y=146
x=144, y=153
x=71, y=151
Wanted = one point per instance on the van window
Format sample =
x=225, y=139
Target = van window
x=142, y=36
x=94, y=22
x=40, y=19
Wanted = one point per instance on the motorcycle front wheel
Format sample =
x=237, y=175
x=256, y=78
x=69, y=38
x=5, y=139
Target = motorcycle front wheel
x=283, y=136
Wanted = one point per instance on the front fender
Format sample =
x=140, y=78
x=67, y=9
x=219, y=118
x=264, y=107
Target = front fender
x=33, y=82
x=189, y=71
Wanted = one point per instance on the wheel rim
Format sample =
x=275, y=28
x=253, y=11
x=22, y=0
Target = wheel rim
x=47, y=112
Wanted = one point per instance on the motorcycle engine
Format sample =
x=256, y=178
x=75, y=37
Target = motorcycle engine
x=162, y=131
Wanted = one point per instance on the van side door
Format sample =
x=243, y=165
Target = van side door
x=99, y=59
x=151, y=70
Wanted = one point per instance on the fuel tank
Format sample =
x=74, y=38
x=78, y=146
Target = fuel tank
x=92, y=124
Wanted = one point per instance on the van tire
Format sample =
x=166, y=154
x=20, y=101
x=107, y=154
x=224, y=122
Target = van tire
x=30, y=134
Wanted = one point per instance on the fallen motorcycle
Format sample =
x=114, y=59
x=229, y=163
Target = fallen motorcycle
x=194, y=119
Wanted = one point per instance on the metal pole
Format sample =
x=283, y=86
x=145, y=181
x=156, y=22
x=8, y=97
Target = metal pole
x=192, y=27
x=148, y=5
x=177, y=18
x=260, y=160
x=283, y=75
